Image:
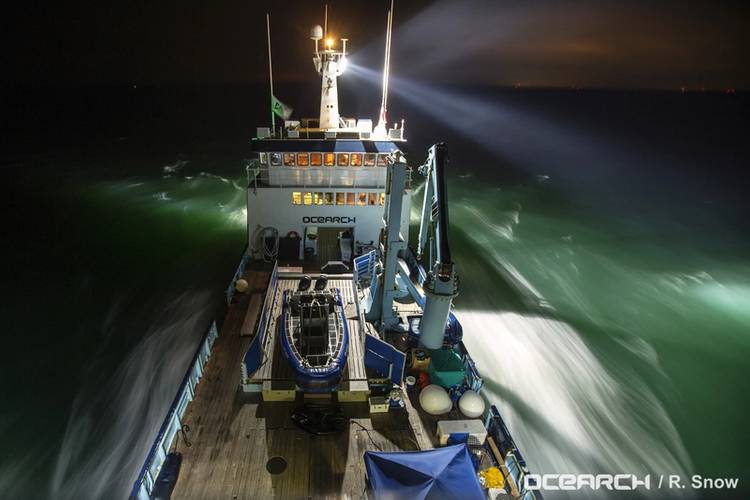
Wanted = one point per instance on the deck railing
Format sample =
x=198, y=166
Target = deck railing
x=144, y=484
x=514, y=461
x=237, y=275
x=318, y=177
x=254, y=356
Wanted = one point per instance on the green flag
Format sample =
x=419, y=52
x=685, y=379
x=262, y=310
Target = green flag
x=280, y=109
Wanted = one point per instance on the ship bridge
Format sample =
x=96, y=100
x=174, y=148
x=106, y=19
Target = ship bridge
x=317, y=186
x=320, y=163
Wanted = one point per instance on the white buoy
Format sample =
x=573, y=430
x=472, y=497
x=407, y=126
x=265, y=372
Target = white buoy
x=241, y=285
x=471, y=404
x=435, y=400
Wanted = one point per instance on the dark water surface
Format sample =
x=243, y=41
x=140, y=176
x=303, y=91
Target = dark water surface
x=601, y=240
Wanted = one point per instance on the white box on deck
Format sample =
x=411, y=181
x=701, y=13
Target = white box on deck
x=378, y=404
x=474, y=428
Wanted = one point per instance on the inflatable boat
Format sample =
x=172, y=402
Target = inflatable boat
x=314, y=337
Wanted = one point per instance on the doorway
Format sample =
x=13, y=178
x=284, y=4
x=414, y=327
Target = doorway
x=329, y=244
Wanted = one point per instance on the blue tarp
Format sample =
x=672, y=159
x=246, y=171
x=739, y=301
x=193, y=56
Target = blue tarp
x=442, y=473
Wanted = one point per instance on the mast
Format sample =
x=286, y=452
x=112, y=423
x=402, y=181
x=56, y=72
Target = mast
x=270, y=71
x=380, y=129
x=330, y=64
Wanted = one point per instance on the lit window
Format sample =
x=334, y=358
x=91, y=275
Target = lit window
x=289, y=159
x=318, y=199
x=340, y=198
x=356, y=159
x=343, y=160
x=264, y=158
x=303, y=159
x=330, y=160
x=382, y=198
x=350, y=198
x=316, y=159
x=361, y=199
x=307, y=198
x=370, y=159
x=275, y=159
x=372, y=198
x=296, y=198
x=328, y=198
x=382, y=160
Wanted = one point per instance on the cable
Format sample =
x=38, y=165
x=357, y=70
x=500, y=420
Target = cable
x=367, y=431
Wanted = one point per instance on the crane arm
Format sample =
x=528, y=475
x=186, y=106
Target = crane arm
x=442, y=280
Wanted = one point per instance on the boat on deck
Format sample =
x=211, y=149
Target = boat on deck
x=314, y=336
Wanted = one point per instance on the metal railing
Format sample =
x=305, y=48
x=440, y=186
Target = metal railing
x=513, y=460
x=237, y=275
x=254, y=357
x=318, y=177
x=144, y=484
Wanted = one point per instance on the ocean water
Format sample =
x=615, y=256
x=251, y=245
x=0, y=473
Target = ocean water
x=605, y=287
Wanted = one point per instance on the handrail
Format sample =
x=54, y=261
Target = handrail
x=237, y=274
x=268, y=306
x=253, y=357
x=144, y=484
x=333, y=177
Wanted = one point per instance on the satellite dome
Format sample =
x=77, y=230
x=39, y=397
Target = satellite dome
x=316, y=33
x=434, y=400
x=471, y=404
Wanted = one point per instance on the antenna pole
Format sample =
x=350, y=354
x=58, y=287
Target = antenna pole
x=270, y=71
x=387, y=71
x=325, y=25
x=381, y=128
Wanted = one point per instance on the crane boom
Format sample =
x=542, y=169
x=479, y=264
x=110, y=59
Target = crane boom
x=441, y=285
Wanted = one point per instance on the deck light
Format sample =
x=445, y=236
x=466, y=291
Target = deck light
x=329, y=42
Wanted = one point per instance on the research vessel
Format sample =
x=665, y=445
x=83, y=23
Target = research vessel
x=339, y=368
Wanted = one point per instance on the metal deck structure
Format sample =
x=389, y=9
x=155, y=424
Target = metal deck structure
x=277, y=377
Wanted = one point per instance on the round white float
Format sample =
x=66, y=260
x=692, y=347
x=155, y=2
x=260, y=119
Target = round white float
x=241, y=285
x=434, y=400
x=471, y=404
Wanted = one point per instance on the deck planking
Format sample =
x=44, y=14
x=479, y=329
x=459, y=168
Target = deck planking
x=233, y=434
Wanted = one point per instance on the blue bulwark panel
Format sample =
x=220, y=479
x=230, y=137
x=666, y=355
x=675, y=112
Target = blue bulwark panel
x=254, y=356
x=384, y=359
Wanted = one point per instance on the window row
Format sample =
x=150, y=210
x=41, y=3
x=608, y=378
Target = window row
x=324, y=159
x=360, y=199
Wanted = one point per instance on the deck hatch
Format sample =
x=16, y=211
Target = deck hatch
x=276, y=465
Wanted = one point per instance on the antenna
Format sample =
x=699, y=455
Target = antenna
x=270, y=71
x=380, y=129
x=325, y=24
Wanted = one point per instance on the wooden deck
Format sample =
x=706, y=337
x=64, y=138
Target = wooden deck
x=233, y=434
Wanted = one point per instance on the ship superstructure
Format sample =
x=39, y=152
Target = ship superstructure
x=340, y=350
x=317, y=185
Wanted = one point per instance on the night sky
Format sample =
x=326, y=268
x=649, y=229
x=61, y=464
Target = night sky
x=580, y=43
